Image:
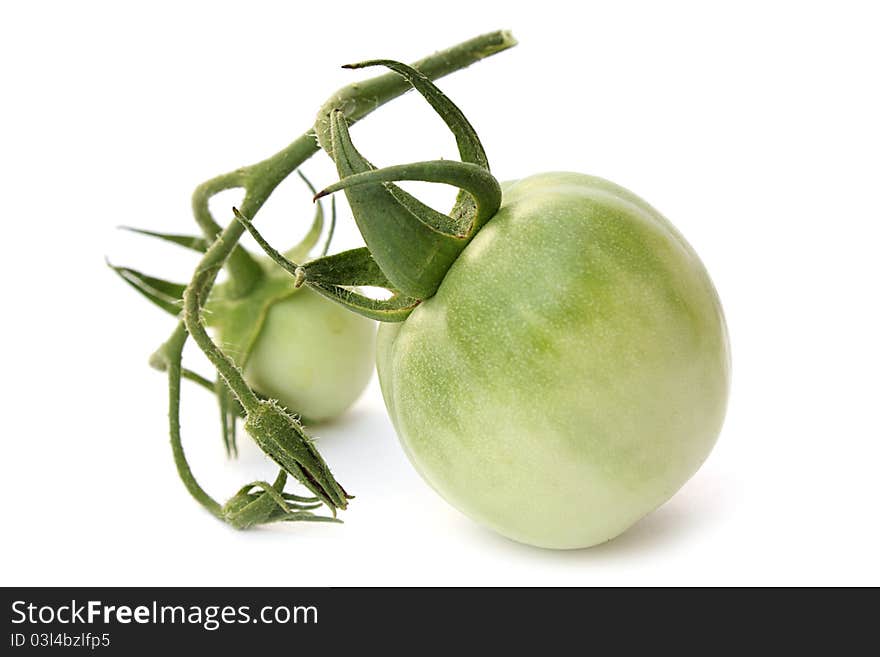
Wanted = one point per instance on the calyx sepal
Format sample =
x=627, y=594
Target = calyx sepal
x=413, y=244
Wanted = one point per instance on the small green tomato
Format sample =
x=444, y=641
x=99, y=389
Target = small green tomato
x=571, y=372
x=295, y=346
x=312, y=355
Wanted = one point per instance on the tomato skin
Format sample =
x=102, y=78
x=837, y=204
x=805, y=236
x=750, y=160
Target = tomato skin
x=312, y=355
x=572, y=371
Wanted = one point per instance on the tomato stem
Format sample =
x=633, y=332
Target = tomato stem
x=277, y=432
x=413, y=244
x=171, y=354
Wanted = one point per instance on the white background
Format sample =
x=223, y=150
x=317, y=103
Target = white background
x=752, y=126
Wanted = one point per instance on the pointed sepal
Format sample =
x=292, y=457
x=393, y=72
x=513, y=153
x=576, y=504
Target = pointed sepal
x=334, y=277
x=413, y=244
x=186, y=241
x=164, y=294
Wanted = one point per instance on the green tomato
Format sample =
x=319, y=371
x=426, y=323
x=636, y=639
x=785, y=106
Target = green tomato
x=293, y=345
x=312, y=355
x=571, y=372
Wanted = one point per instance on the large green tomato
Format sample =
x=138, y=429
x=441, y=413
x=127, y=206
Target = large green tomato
x=571, y=372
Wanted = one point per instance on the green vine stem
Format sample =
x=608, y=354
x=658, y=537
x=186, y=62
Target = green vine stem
x=413, y=244
x=246, y=508
x=277, y=432
x=193, y=299
x=274, y=429
x=356, y=101
x=169, y=357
